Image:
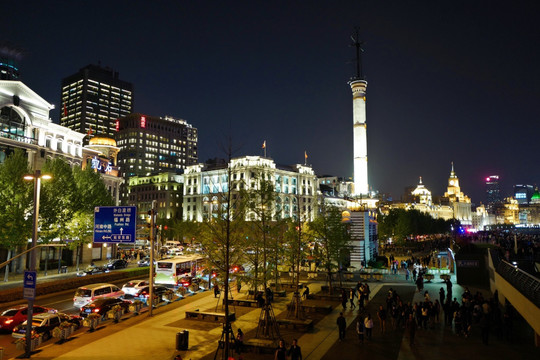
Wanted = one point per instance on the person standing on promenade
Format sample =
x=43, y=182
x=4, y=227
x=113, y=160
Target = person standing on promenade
x=295, y=352
x=342, y=326
x=411, y=325
x=343, y=299
x=360, y=330
x=352, y=295
x=368, y=324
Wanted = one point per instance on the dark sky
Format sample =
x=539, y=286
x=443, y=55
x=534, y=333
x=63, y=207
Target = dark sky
x=448, y=80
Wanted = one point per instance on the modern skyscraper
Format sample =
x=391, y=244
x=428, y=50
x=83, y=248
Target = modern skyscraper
x=493, y=192
x=93, y=99
x=523, y=193
x=359, y=86
x=151, y=145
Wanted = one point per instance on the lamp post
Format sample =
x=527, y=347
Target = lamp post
x=36, y=177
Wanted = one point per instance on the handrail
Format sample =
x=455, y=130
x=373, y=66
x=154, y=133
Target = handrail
x=525, y=283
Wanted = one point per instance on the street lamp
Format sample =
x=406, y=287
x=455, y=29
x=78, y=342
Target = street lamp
x=36, y=177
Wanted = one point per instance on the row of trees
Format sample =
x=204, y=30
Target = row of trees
x=67, y=204
x=400, y=224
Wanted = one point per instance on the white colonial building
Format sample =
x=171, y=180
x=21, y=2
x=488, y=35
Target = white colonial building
x=205, y=185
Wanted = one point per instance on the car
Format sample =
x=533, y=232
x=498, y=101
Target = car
x=117, y=264
x=86, y=294
x=44, y=324
x=188, y=281
x=92, y=270
x=161, y=293
x=102, y=305
x=16, y=315
x=132, y=287
x=145, y=261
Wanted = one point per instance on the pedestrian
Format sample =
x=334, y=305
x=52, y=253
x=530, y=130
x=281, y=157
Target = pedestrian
x=238, y=286
x=368, y=324
x=352, y=295
x=420, y=283
x=360, y=330
x=342, y=326
x=216, y=290
x=305, y=294
x=295, y=352
x=410, y=325
x=381, y=314
x=441, y=295
x=239, y=341
x=343, y=299
x=407, y=274
x=281, y=351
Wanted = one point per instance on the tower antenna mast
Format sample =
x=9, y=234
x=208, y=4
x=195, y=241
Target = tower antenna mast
x=358, y=44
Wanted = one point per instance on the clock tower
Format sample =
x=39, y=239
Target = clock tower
x=453, y=184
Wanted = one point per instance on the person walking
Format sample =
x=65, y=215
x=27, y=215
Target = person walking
x=216, y=290
x=352, y=295
x=343, y=299
x=295, y=352
x=368, y=324
x=360, y=330
x=239, y=341
x=342, y=326
x=281, y=351
x=381, y=314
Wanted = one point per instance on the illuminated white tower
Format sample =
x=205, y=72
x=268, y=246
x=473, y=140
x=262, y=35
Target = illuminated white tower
x=359, y=87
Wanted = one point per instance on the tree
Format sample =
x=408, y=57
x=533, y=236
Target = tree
x=15, y=204
x=328, y=230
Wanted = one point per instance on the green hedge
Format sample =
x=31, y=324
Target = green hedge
x=72, y=283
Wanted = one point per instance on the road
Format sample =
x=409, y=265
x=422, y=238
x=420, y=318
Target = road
x=63, y=302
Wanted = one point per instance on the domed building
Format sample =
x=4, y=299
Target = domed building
x=422, y=194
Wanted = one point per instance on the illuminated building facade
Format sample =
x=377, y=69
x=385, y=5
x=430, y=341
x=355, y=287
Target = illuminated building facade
x=493, y=192
x=25, y=124
x=360, y=159
x=152, y=145
x=363, y=230
x=101, y=155
x=523, y=193
x=93, y=99
x=206, y=184
x=460, y=202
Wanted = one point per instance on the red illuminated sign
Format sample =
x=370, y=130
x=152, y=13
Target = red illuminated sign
x=143, y=121
x=117, y=124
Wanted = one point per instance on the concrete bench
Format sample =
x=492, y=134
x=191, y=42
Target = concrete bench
x=209, y=316
x=323, y=309
x=260, y=346
x=242, y=302
x=326, y=297
x=296, y=323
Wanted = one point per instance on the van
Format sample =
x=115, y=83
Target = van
x=87, y=294
x=173, y=244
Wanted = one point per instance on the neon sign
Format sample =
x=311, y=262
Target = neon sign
x=143, y=121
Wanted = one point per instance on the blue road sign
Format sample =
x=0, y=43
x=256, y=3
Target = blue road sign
x=115, y=224
x=29, y=285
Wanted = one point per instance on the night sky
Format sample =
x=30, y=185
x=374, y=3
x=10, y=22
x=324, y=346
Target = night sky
x=447, y=81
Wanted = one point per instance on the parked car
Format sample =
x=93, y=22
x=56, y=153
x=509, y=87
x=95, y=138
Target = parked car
x=161, y=293
x=91, y=270
x=132, y=287
x=117, y=264
x=101, y=306
x=89, y=293
x=16, y=315
x=45, y=323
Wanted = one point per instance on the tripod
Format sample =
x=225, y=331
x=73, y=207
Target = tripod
x=267, y=323
x=227, y=348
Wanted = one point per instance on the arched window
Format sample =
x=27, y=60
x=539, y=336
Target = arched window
x=11, y=122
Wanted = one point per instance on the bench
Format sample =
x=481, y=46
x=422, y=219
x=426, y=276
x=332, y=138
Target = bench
x=209, y=316
x=260, y=346
x=326, y=297
x=289, y=286
x=296, y=323
x=323, y=309
x=242, y=302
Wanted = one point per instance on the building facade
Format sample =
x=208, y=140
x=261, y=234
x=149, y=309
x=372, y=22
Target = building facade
x=363, y=230
x=153, y=145
x=460, y=202
x=205, y=185
x=93, y=99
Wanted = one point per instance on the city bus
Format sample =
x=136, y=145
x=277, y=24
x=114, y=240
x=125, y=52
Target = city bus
x=171, y=271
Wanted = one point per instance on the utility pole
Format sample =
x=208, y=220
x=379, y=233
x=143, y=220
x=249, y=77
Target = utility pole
x=152, y=239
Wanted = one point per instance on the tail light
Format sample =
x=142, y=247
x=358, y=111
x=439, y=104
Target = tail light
x=96, y=310
x=8, y=321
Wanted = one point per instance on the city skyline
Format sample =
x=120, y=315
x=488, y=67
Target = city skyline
x=447, y=82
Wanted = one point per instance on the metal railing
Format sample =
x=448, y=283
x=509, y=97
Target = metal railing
x=525, y=283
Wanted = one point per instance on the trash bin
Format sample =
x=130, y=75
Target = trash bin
x=182, y=340
x=63, y=269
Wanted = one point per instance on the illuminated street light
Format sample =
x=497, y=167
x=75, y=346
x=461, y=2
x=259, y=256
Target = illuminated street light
x=36, y=177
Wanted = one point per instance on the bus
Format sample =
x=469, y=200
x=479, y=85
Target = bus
x=171, y=271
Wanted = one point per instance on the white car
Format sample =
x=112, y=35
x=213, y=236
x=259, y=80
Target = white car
x=132, y=287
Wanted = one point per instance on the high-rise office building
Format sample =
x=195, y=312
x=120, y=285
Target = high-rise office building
x=493, y=192
x=151, y=145
x=523, y=193
x=93, y=99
